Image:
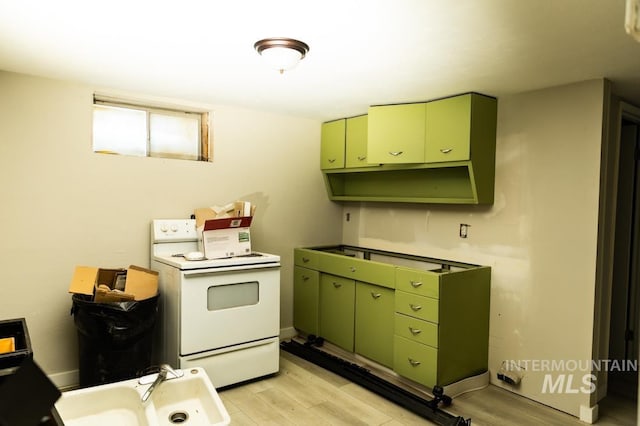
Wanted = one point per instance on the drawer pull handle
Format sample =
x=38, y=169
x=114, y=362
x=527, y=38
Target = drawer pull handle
x=395, y=153
x=413, y=362
x=375, y=295
x=415, y=331
x=446, y=150
x=305, y=260
x=361, y=158
x=352, y=268
x=416, y=284
x=331, y=160
x=415, y=308
x=337, y=285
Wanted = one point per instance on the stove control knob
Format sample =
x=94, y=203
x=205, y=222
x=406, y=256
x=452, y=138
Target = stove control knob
x=163, y=228
x=174, y=228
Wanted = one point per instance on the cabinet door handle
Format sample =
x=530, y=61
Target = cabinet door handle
x=305, y=278
x=352, y=268
x=375, y=295
x=416, y=284
x=331, y=160
x=413, y=362
x=337, y=285
x=415, y=307
x=446, y=150
x=415, y=331
x=305, y=260
x=361, y=158
x=396, y=153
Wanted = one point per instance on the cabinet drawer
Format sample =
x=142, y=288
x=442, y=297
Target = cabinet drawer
x=420, y=307
x=306, y=292
x=306, y=258
x=382, y=274
x=424, y=283
x=415, y=361
x=424, y=332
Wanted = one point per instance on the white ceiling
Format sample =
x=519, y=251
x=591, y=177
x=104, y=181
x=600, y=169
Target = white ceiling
x=362, y=52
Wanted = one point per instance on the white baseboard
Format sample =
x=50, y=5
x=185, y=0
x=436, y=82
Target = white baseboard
x=288, y=333
x=66, y=379
x=589, y=414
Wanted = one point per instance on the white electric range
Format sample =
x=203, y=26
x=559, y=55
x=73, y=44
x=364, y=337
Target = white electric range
x=219, y=314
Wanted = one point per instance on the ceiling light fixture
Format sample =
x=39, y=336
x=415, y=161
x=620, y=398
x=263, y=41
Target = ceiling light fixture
x=281, y=53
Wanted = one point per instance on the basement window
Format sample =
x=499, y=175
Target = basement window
x=126, y=128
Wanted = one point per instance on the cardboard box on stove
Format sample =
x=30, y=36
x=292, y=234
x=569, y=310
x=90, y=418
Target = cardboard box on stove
x=225, y=231
x=114, y=285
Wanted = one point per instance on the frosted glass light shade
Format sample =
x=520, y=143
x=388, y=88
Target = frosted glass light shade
x=281, y=58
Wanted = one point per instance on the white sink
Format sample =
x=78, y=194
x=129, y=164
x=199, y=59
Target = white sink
x=189, y=400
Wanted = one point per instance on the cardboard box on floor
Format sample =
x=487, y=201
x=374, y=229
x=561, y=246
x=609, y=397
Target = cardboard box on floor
x=114, y=285
x=224, y=231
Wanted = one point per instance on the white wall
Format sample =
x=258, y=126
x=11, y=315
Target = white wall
x=63, y=205
x=539, y=237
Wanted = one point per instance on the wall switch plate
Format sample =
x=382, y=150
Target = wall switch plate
x=464, y=230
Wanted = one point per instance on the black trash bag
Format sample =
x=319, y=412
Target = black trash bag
x=115, y=339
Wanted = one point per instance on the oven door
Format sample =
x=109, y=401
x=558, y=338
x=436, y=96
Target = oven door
x=220, y=309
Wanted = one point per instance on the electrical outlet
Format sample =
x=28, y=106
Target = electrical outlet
x=464, y=230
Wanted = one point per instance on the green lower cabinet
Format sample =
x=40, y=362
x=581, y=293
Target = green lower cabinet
x=306, y=293
x=415, y=361
x=374, y=326
x=337, y=310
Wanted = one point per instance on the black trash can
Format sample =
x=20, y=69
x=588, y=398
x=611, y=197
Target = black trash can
x=115, y=339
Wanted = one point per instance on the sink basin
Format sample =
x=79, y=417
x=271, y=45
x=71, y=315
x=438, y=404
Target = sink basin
x=190, y=399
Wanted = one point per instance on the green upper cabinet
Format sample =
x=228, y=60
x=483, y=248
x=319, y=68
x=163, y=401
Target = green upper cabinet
x=460, y=128
x=356, y=142
x=332, y=144
x=396, y=134
x=441, y=151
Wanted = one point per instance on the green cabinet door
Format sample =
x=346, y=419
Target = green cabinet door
x=337, y=309
x=306, y=294
x=356, y=142
x=416, y=361
x=374, y=325
x=396, y=133
x=332, y=144
x=448, y=131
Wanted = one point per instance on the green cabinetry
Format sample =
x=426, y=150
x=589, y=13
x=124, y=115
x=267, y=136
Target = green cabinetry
x=332, y=140
x=396, y=133
x=356, y=142
x=374, y=323
x=427, y=319
x=306, y=287
x=441, y=324
x=337, y=310
x=441, y=151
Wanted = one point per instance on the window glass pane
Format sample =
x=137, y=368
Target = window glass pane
x=174, y=136
x=119, y=130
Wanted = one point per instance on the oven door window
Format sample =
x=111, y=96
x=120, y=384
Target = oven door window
x=232, y=295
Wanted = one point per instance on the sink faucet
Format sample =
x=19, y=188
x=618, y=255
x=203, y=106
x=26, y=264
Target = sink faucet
x=163, y=374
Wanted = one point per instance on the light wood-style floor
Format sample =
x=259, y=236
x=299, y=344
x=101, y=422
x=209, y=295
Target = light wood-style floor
x=305, y=394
